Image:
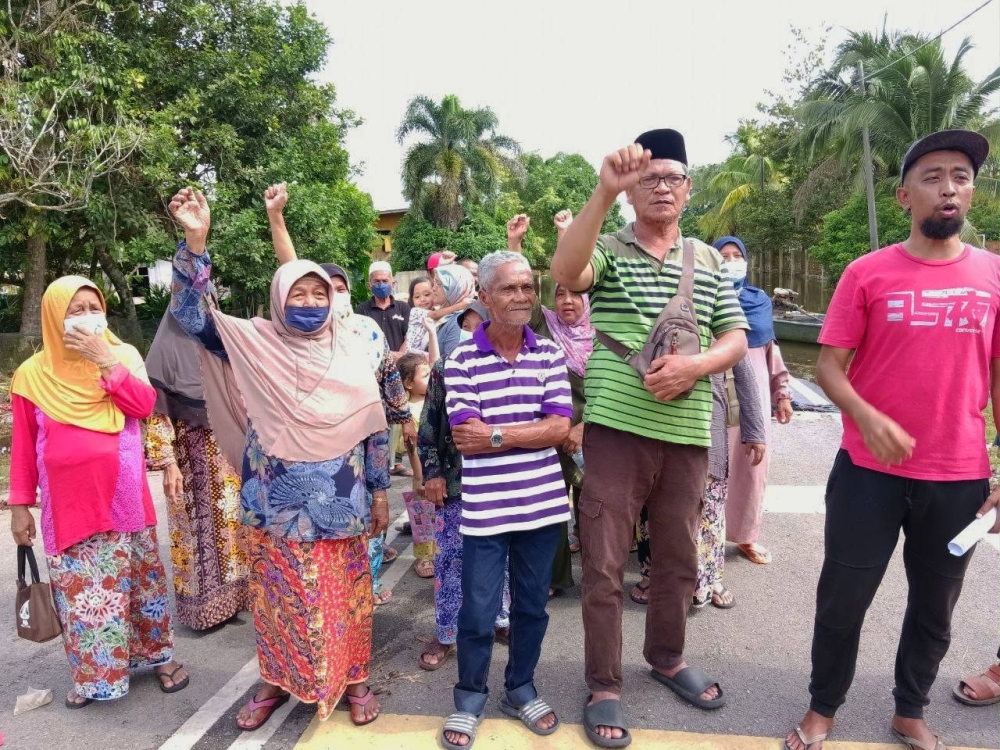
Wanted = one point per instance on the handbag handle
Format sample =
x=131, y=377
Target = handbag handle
x=26, y=553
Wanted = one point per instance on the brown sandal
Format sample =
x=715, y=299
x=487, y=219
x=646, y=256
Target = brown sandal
x=755, y=553
x=987, y=683
x=424, y=568
x=443, y=652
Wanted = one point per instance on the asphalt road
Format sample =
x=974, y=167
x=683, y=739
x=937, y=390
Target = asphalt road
x=759, y=649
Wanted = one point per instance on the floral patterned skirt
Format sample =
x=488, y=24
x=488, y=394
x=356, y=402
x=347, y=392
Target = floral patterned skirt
x=207, y=539
x=110, y=592
x=312, y=615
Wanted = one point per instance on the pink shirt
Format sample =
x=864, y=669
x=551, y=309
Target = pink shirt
x=924, y=333
x=90, y=481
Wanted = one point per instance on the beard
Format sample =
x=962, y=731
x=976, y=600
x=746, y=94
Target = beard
x=941, y=229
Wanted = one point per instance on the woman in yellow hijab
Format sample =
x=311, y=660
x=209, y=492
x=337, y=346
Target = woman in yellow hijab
x=77, y=406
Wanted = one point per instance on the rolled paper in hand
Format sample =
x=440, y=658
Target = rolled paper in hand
x=972, y=533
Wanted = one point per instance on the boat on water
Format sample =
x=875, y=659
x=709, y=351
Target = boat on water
x=800, y=327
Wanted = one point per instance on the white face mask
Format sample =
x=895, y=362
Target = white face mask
x=736, y=268
x=342, y=304
x=464, y=335
x=92, y=323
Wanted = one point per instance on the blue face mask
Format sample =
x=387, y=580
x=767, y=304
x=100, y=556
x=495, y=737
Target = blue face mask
x=306, y=319
x=382, y=289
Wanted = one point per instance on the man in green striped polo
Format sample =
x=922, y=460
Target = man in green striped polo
x=643, y=445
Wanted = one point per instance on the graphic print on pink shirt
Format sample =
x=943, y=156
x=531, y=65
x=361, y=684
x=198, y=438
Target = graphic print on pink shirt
x=924, y=334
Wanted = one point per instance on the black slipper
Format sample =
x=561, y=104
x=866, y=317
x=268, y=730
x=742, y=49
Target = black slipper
x=177, y=686
x=73, y=706
x=606, y=713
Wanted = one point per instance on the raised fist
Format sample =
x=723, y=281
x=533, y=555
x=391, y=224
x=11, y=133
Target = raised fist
x=275, y=198
x=622, y=169
x=518, y=227
x=563, y=219
x=190, y=209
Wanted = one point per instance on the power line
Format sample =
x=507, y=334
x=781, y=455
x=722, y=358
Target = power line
x=931, y=41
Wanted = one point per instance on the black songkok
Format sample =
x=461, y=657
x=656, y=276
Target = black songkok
x=664, y=143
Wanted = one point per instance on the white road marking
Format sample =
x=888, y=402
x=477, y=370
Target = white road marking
x=213, y=709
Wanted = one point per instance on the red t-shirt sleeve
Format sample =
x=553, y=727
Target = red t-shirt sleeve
x=23, y=457
x=846, y=318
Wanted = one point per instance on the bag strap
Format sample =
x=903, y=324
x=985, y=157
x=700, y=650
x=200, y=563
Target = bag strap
x=26, y=554
x=616, y=347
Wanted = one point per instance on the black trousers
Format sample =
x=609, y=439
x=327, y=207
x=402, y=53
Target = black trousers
x=865, y=511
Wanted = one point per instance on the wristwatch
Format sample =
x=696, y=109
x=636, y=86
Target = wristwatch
x=496, y=438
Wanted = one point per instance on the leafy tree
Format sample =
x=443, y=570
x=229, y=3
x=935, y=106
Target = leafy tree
x=845, y=231
x=461, y=160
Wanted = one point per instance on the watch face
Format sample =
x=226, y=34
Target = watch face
x=496, y=439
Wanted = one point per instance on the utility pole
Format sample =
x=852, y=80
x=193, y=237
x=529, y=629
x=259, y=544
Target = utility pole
x=869, y=172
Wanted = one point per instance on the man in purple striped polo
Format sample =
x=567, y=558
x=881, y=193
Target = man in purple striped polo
x=509, y=405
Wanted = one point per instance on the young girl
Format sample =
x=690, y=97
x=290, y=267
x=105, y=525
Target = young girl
x=421, y=336
x=415, y=372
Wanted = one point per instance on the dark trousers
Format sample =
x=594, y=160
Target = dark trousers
x=865, y=511
x=530, y=555
x=625, y=472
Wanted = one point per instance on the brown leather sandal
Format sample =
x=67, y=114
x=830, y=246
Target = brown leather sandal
x=986, y=684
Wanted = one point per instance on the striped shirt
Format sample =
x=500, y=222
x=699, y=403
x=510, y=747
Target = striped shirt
x=521, y=488
x=630, y=289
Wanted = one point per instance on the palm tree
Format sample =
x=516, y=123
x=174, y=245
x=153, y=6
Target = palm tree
x=461, y=159
x=738, y=178
x=910, y=91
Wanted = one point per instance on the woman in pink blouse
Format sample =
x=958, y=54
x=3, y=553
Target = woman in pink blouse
x=77, y=439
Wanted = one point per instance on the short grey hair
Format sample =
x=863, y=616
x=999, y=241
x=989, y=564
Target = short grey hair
x=489, y=267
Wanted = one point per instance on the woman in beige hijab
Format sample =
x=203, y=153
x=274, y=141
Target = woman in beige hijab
x=296, y=406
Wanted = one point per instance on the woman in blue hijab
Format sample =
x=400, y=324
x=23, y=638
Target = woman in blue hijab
x=747, y=483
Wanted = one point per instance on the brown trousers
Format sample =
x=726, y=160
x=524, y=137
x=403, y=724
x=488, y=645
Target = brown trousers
x=624, y=472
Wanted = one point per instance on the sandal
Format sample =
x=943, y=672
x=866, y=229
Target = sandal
x=362, y=701
x=177, y=686
x=443, y=652
x=718, y=597
x=574, y=543
x=271, y=704
x=400, y=471
x=915, y=744
x=389, y=554
x=808, y=742
x=382, y=598
x=530, y=714
x=755, y=553
x=73, y=705
x=641, y=590
x=987, y=683
x=689, y=684
x=461, y=722
x=424, y=568
x=606, y=713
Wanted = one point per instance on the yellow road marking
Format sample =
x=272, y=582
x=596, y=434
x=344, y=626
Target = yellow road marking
x=401, y=732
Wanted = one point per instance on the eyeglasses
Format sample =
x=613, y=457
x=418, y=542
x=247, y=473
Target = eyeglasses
x=652, y=181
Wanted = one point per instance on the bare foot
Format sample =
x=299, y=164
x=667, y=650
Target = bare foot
x=915, y=728
x=611, y=733
x=709, y=695
x=246, y=719
x=382, y=598
x=811, y=725
x=368, y=712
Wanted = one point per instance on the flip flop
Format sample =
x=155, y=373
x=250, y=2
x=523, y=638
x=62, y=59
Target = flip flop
x=272, y=704
x=73, y=706
x=382, y=598
x=389, y=554
x=424, y=568
x=606, y=713
x=915, y=744
x=177, y=686
x=716, y=597
x=751, y=554
x=987, y=683
x=574, y=543
x=363, y=700
x=464, y=723
x=443, y=656
x=807, y=741
x=643, y=589
x=689, y=684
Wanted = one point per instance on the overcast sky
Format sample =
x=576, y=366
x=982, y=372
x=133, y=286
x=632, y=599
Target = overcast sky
x=563, y=79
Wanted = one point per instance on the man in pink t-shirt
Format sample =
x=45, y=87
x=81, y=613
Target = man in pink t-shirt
x=920, y=319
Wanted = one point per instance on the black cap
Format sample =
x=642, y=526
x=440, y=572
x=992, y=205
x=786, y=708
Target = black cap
x=664, y=144
x=332, y=269
x=973, y=145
